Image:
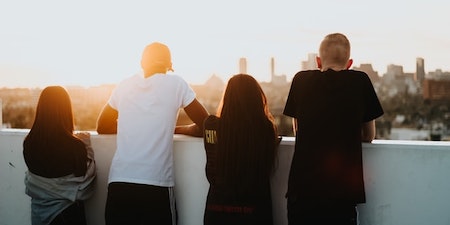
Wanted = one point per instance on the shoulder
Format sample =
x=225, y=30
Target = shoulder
x=172, y=81
x=306, y=73
x=131, y=79
x=305, y=76
x=211, y=122
x=358, y=74
x=174, y=78
x=127, y=83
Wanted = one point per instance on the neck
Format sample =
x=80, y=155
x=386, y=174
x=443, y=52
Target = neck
x=333, y=67
x=153, y=72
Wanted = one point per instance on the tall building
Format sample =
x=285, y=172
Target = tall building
x=275, y=79
x=1, y=114
x=436, y=89
x=311, y=63
x=420, y=70
x=243, y=65
x=272, y=67
x=392, y=72
x=438, y=74
x=368, y=69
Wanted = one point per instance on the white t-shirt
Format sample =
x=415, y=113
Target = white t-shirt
x=148, y=110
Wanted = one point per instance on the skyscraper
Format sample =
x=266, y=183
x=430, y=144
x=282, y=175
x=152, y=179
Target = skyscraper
x=243, y=65
x=420, y=70
x=272, y=67
x=1, y=114
x=311, y=63
x=276, y=79
x=368, y=69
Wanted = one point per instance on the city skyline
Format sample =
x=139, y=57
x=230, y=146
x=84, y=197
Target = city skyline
x=90, y=43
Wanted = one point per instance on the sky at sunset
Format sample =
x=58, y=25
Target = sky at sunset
x=93, y=42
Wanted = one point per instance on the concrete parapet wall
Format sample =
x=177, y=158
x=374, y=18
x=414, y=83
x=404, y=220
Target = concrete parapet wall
x=407, y=182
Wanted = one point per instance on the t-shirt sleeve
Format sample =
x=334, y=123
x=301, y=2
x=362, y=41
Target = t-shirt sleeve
x=113, y=99
x=373, y=108
x=210, y=144
x=188, y=95
x=290, y=107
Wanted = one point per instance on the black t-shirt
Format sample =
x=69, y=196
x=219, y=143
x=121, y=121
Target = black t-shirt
x=221, y=208
x=330, y=108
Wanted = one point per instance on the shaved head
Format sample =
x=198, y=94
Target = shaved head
x=335, y=50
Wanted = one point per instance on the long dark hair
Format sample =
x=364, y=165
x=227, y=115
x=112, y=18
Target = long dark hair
x=54, y=119
x=247, y=137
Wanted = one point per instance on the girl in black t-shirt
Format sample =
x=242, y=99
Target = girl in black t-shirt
x=240, y=143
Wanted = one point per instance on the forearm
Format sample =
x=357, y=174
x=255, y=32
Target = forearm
x=107, y=121
x=294, y=126
x=106, y=128
x=368, y=131
x=197, y=113
x=191, y=130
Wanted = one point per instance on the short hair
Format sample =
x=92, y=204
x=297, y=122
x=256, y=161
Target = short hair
x=335, y=49
x=156, y=54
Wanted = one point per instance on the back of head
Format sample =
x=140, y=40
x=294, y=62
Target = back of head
x=335, y=50
x=243, y=99
x=53, y=113
x=246, y=136
x=156, y=56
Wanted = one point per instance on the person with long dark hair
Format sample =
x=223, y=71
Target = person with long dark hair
x=61, y=166
x=240, y=144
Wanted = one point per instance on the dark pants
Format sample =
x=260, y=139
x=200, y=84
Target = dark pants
x=301, y=213
x=73, y=215
x=138, y=204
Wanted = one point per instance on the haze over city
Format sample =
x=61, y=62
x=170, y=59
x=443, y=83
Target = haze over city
x=91, y=43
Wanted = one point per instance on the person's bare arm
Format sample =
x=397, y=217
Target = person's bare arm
x=107, y=121
x=197, y=113
x=294, y=126
x=368, y=131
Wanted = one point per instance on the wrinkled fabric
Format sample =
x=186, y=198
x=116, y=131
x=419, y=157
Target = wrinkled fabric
x=51, y=196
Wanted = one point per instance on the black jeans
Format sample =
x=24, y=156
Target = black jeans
x=73, y=215
x=312, y=213
x=139, y=204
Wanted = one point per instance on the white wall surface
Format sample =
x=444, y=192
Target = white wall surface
x=407, y=182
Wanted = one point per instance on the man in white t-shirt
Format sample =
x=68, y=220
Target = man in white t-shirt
x=143, y=111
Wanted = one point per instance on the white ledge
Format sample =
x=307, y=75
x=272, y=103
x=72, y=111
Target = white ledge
x=407, y=182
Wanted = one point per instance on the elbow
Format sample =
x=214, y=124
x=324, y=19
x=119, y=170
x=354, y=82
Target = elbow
x=106, y=130
x=101, y=130
x=368, y=132
x=367, y=137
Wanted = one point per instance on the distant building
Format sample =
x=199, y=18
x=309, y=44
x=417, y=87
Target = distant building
x=243, y=65
x=210, y=93
x=439, y=75
x=392, y=72
x=1, y=114
x=436, y=89
x=395, y=81
x=277, y=80
x=367, y=68
x=214, y=82
x=420, y=70
x=311, y=63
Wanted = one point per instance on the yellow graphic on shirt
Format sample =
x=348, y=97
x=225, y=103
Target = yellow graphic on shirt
x=210, y=136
